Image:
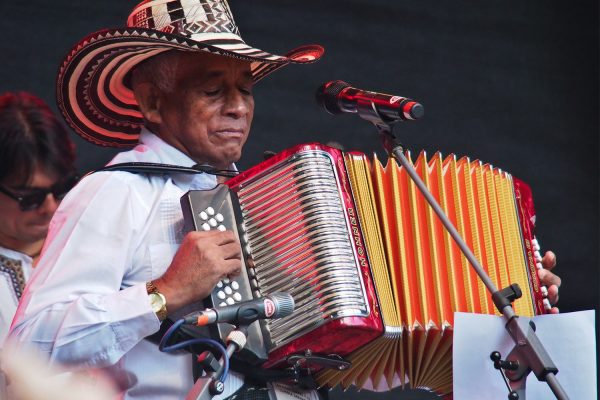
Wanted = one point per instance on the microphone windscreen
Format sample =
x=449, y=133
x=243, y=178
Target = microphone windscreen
x=284, y=304
x=327, y=96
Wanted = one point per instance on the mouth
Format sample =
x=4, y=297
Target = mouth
x=231, y=133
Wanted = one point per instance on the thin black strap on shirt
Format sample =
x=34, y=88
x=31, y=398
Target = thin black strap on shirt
x=156, y=168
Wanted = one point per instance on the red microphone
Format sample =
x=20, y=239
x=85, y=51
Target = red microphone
x=338, y=97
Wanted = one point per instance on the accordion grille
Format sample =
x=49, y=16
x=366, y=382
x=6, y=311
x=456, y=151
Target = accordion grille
x=299, y=242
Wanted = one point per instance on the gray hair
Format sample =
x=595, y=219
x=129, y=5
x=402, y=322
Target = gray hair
x=158, y=70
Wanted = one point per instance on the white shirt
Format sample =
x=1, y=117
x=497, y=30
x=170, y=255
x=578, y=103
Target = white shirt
x=15, y=269
x=86, y=303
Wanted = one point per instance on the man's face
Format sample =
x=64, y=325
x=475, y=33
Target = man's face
x=18, y=228
x=208, y=113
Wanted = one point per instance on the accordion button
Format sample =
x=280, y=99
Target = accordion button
x=226, y=280
x=205, y=227
x=237, y=297
x=537, y=255
x=212, y=222
x=203, y=215
x=210, y=211
x=219, y=217
x=539, y=265
x=228, y=290
x=221, y=295
x=221, y=228
x=547, y=304
x=219, y=284
x=235, y=285
x=222, y=304
x=251, y=271
x=230, y=301
x=544, y=291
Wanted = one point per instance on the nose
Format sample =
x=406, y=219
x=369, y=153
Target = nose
x=238, y=104
x=49, y=205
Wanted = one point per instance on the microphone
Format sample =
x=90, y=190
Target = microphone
x=275, y=305
x=338, y=97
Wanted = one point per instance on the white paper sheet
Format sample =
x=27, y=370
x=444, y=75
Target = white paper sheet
x=569, y=339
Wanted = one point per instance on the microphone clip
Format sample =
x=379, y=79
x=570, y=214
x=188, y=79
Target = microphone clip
x=303, y=365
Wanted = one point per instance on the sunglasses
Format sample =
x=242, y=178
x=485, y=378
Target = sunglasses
x=34, y=199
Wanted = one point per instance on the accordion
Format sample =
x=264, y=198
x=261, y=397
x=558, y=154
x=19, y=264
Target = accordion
x=374, y=275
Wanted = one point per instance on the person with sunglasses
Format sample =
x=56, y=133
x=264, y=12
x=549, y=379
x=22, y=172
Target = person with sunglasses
x=36, y=171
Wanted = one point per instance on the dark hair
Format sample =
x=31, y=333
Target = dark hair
x=31, y=136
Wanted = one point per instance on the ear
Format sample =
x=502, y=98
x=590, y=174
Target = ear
x=148, y=98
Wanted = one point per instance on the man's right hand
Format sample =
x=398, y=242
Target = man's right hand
x=202, y=260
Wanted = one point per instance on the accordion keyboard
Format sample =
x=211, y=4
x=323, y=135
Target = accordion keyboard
x=298, y=238
x=205, y=210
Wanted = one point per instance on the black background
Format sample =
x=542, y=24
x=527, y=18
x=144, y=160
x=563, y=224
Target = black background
x=511, y=83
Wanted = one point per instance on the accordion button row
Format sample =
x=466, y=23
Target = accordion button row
x=538, y=263
x=227, y=289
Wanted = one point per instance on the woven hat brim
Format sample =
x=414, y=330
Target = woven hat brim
x=91, y=88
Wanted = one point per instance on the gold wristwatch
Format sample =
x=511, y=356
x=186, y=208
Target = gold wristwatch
x=157, y=301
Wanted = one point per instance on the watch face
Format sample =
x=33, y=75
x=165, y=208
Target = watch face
x=156, y=301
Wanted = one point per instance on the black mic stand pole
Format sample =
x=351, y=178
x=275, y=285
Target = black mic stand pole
x=210, y=384
x=529, y=353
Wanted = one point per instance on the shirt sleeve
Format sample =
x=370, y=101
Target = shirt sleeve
x=74, y=308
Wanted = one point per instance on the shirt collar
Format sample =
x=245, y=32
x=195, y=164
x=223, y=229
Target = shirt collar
x=167, y=153
x=15, y=255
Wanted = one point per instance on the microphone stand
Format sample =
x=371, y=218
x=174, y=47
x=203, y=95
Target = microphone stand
x=529, y=353
x=210, y=385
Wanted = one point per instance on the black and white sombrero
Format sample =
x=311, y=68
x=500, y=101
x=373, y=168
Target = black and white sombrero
x=92, y=90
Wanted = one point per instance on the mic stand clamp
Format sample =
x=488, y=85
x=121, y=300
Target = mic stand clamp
x=528, y=352
x=303, y=365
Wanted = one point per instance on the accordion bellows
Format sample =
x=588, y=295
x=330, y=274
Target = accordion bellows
x=374, y=274
x=420, y=274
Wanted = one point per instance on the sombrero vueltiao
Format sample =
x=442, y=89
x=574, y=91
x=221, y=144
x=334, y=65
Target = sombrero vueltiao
x=92, y=90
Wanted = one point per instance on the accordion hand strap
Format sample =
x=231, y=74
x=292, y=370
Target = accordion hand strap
x=157, y=168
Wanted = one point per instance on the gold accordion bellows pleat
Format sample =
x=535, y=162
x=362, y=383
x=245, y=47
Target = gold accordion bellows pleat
x=420, y=275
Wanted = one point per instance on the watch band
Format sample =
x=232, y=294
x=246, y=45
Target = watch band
x=151, y=288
